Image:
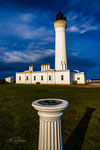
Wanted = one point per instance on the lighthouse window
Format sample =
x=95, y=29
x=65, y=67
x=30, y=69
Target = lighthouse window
x=62, y=77
x=26, y=77
x=78, y=78
x=19, y=78
x=49, y=77
x=41, y=77
x=34, y=77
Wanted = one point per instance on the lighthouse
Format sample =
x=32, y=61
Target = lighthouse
x=60, y=75
x=60, y=42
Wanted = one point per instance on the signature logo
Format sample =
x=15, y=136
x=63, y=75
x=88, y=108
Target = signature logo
x=16, y=140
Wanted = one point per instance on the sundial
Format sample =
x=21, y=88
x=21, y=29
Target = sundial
x=50, y=102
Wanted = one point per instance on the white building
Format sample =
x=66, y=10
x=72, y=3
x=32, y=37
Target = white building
x=9, y=79
x=61, y=74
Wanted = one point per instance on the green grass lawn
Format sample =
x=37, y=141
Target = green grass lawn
x=80, y=122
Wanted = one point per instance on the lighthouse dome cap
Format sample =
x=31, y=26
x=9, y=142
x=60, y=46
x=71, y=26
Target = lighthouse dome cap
x=60, y=16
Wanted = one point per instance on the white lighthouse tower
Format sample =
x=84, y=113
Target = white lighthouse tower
x=60, y=42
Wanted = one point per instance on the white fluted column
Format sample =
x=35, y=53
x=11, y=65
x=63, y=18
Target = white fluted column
x=50, y=129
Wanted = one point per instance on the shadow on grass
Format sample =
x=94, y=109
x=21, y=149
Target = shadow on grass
x=76, y=139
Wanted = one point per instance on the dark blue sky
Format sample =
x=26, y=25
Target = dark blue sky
x=27, y=34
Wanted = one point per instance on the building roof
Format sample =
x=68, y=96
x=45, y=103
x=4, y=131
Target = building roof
x=9, y=77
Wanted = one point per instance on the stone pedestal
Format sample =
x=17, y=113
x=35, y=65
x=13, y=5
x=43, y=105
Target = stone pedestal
x=50, y=130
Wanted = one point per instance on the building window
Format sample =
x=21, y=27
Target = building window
x=78, y=78
x=26, y=77
x=49, y=77
x=19, y=78
x=34, y=77
x=41, y=77
x=62, y=77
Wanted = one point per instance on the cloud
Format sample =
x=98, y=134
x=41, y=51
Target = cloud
x=77, y=25
x=27, y=31
x=73, y=29
x=31, y=46
x=82, y=63
x=42, y=43
x=88, y=26
x=25, y=56
x=49, y=39
x=3, y=48
x=75, y=53
x=27, y=17
x=26, y=26
x=3, y=42
x=82, y=28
